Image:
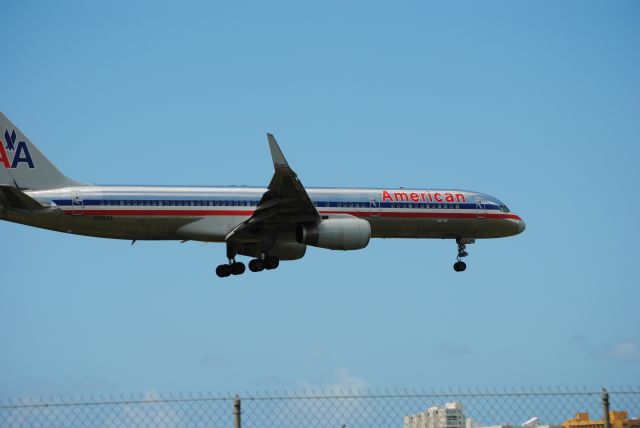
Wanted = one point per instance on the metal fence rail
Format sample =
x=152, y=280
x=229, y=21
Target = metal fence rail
x=315, y=409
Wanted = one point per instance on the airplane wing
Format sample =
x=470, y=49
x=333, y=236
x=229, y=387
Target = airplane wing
x=285, y=203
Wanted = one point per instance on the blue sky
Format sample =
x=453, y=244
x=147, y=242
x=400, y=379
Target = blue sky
x=536, y=103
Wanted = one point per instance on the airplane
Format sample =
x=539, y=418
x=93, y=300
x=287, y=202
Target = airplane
x=266, y=224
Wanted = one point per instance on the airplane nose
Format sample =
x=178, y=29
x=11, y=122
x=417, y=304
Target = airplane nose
x=521, y=226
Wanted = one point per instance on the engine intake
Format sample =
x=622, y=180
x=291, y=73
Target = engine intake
x=336, y=234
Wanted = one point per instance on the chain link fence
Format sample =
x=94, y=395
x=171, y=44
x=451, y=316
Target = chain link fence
x=340, y=409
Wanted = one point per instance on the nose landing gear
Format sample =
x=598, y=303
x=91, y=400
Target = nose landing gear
x=459, y=265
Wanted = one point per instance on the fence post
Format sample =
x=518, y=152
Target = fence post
x=236, y=413
x=605, y=408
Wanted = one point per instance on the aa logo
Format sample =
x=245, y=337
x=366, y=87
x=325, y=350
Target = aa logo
x=12, y=154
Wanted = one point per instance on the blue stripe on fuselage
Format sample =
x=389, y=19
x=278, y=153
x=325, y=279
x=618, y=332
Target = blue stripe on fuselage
x=253, y=202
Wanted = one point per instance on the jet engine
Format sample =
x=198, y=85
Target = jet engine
x=344, y=233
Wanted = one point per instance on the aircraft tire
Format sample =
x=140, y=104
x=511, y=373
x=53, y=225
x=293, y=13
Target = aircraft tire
x=459, y=266
x=223, y=271
x=256, y=265
x=237, y=268
x=271, y=263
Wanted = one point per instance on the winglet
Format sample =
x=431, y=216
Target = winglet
x=276, y=154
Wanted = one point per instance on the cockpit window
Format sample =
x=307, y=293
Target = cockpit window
x=504, y=208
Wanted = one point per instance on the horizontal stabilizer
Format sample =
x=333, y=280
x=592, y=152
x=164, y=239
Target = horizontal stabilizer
x=15, y=198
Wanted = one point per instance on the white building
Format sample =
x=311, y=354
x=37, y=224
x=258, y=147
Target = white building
x=531, y=423
x=449, y=416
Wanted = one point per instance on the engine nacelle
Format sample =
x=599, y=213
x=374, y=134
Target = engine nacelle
x=350, y=233
x=288, y=250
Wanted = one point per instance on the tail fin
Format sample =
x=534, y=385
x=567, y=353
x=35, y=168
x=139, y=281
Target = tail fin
x=22, y=165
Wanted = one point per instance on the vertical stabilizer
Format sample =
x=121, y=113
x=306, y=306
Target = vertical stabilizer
x=22, y=165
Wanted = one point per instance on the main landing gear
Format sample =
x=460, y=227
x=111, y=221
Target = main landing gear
x=233, y=268
x=268, y=262
x=255, y=265
x=460, y=266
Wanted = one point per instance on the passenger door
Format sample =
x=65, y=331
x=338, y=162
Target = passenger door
x=374, y=207
x=77, y=205
x=481, y=211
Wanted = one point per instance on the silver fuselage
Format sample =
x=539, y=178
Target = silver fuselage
x=159, y=212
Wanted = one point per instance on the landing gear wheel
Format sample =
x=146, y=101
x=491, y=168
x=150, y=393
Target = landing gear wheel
x=459, y=266
x=271, y=262
x=237, y=268
x=223, y=271
x=256, y=265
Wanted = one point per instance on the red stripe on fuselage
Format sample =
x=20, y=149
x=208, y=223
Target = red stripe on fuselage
x=426, y=215
x=169, y=213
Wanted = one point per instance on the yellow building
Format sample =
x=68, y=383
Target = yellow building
x=616, y=419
